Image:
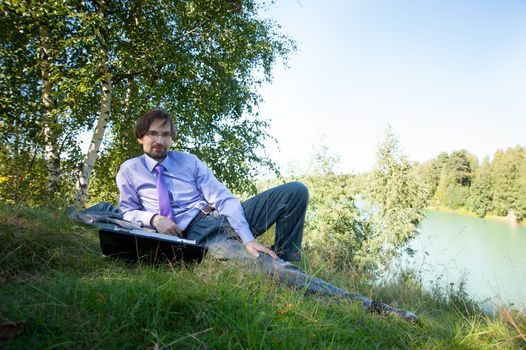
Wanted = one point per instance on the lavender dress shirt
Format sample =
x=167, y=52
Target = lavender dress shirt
x=191, y=186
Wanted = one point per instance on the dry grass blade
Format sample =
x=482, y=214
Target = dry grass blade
x=192, y=335
x=518, y=322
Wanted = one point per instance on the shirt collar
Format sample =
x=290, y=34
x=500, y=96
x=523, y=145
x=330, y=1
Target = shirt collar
x=151, y=163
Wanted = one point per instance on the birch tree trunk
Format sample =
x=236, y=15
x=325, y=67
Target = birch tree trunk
x=127, y=98
x=86, y=168
x=51, y=126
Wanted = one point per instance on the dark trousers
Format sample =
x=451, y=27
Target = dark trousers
x=284, y=206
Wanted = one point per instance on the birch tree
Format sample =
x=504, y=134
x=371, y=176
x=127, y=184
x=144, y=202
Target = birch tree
x=46, y=61
x=50, y=126
x=203, y=62
x=96, y=65
x=102, y=31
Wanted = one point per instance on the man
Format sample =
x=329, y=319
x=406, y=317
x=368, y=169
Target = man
x=175, y=193
x=194, y=192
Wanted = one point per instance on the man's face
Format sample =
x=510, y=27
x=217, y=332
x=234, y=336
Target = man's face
x=158, y=140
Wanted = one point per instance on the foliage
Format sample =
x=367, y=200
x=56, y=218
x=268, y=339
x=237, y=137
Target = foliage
x=497, y=186
x=18, y=95
x=333, y=228
x=358, y=221
x=429, y=173
x=457, y=171
x=397, y=201
x=508, y=175
x=481, y=198
x=48, y=93
x=203, y=61
x=216, y=57
x=450, y=193
x=22, y=174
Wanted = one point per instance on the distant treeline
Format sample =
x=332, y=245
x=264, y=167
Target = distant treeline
x=496, y=186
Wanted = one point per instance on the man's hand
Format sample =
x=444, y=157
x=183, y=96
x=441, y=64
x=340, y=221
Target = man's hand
x=164, y=225
x=255, y=248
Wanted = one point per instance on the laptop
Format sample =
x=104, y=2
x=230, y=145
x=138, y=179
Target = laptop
x=148, y=246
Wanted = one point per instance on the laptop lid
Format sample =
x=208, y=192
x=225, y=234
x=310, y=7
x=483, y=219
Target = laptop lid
x=148, y=246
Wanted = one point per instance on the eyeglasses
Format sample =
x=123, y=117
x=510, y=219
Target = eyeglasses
x=154, y=134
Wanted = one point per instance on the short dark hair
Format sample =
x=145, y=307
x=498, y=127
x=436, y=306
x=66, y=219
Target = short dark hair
x=142, y=125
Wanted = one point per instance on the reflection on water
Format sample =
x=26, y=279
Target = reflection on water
x=488, y=254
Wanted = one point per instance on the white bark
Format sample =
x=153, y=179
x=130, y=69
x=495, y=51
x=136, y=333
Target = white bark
x=51, y=154
x=128, y=97
x=86, y=168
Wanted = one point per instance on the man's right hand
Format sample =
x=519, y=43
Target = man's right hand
x=164, y=225
x=254, y=247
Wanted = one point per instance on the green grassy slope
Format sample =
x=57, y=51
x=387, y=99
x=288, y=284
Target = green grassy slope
x=66, y=295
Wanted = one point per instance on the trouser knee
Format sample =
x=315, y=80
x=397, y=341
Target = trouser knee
x=298, y=193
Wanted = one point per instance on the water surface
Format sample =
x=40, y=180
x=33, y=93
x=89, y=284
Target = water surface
x=489, y=254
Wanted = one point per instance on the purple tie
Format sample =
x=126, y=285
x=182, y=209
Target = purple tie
x=165, y=209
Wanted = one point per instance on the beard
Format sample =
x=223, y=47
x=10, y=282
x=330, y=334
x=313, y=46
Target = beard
x=158, y=153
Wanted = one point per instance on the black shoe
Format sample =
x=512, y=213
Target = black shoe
x=383, y=309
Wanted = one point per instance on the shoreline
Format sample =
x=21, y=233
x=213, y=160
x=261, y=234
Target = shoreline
x=467, y=212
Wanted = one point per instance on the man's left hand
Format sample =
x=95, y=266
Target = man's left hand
x=255, y=248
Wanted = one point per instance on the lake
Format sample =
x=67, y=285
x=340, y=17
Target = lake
x=489, y=254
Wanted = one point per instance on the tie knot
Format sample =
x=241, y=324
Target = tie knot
x=159, y=168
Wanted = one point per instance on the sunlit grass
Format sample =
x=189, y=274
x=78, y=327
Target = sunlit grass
x=55, y=281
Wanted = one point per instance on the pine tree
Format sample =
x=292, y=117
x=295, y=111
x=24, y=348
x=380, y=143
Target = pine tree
x=481, y=198
x=506, y=172
x=457, y=172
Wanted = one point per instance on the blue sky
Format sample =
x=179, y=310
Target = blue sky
x=446, y=75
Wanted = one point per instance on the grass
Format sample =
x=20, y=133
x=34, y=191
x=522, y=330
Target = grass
x=66, y=295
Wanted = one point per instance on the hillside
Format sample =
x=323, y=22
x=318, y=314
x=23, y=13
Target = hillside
x=57, y=291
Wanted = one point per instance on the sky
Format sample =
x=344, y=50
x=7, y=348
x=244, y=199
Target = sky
x=445, y=75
